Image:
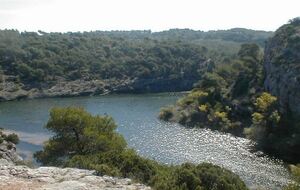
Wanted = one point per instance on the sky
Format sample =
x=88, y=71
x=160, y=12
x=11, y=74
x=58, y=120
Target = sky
x=155, y=15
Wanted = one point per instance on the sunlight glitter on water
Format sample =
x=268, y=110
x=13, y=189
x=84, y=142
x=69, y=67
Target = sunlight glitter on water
x=136, y=116
x=173, y=144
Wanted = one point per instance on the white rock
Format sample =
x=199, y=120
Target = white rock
x=14, y=177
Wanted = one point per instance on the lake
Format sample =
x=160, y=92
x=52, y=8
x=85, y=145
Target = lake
x=136, y=116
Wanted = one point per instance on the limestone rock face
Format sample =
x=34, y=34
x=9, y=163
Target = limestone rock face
x=282, y=67
x=14, y=177
x=8, y=152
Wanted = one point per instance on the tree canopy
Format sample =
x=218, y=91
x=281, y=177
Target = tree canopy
x=39, y=59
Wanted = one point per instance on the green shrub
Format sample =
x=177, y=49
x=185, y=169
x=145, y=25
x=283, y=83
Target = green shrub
x=78, y=133
x=104, y=169
x=166, y=114
x=13, y=138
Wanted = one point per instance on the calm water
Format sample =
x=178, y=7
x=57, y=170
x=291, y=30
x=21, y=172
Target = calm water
x=136, y=116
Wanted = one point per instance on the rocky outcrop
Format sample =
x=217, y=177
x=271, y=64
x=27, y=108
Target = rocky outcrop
x=13, y=177
x=8, y=152
x=21, y=177
x=282, y=67
x=12, y=90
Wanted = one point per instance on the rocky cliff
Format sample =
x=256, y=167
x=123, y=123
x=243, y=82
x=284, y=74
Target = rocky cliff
x=282, y=67
x=8, y=152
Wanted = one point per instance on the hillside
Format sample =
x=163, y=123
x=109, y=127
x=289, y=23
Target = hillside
x=72, y=64
x=239, y=35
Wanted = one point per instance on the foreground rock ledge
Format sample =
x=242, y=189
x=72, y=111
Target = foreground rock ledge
x=14, y=177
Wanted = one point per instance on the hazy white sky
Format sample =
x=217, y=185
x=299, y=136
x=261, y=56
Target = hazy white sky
x=157, y=15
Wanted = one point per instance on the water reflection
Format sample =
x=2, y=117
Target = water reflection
x=136, y=116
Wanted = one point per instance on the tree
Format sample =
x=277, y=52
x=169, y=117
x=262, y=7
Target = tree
x=295, y=21
x=77, y=132
x=249, y=50
x=265, y=118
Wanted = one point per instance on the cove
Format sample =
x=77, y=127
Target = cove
x=136, y=116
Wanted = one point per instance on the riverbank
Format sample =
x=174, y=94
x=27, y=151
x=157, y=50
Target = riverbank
x=13, y=90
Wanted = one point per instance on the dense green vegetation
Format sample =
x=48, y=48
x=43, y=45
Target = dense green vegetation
x=223, y=98
x=239, y=35
x=42, y=59
x=86, y=141
x=231, y=98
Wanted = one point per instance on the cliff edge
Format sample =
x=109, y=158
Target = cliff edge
x=282, y=67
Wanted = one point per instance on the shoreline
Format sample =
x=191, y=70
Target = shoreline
x=77, y=88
